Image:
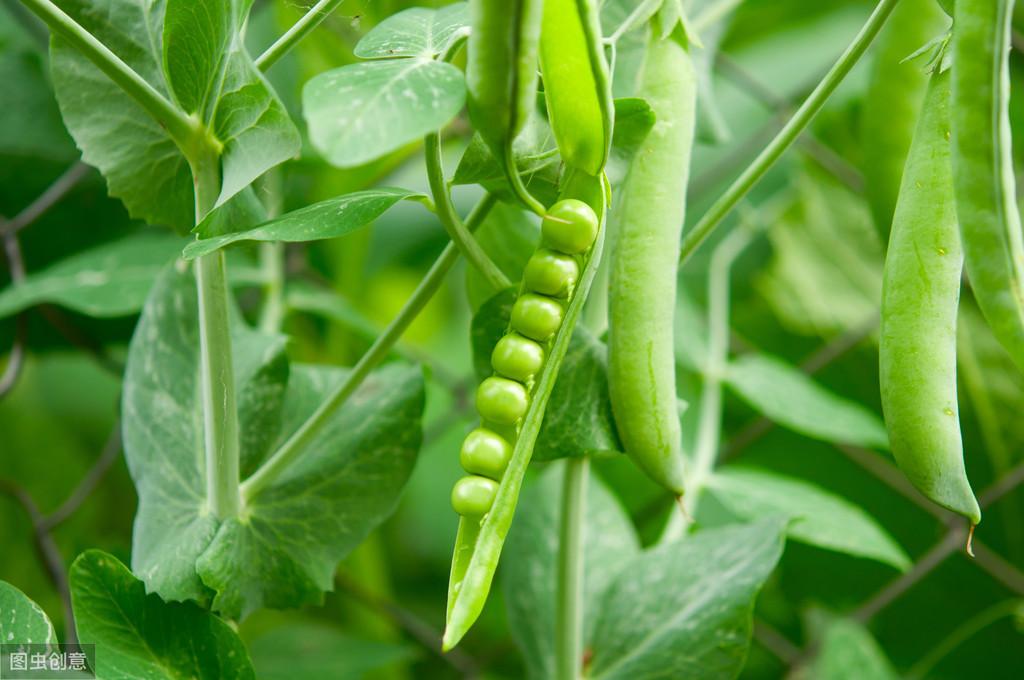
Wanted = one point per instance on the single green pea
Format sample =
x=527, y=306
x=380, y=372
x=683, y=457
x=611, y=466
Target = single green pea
x=536, y=317
x=551, y=273
x=501, y=400
x=473, y=496
x=517, y=357
x=485, y=453
x=570, y=226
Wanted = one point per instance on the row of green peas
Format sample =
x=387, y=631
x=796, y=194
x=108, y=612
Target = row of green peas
x=568, y=231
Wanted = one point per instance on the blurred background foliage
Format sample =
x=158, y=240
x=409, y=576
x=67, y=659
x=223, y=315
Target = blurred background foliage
x=812, y=281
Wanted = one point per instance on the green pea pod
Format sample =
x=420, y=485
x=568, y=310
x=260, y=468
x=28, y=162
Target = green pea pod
x=501, y=68
x=479, y=540
x=647, y=223
x=986, y=199
x=893, y=103
x=577, y=87
x=920, y=295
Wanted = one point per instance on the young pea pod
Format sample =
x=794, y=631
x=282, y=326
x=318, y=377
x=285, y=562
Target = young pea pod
x=501, y=68
x=648, y=220
x=512, y=402
x=893, y=103
x=986, y=199
x=920, y=295
x=577, y=87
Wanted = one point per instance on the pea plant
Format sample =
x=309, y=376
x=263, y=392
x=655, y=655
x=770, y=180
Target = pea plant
x=275, y=410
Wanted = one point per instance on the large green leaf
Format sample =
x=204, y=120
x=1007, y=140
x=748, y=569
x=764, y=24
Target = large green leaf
x=360, y=112
x=819, y=517
x=699, y=625
x=529, y=579
x=415, y=32
x=141, y=163
x=22, y=621
x=208, y=73
x=109, y=280
x=283, y=550
x=790, y=398
x=301, y=651
x=141, y=637
x=327, y=219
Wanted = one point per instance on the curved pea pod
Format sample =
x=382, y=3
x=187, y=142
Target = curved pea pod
x=501, y=68
x=893, y=102
x=920, y=295
x=479, y=540
x=647, y=223
x=577, y=87
x=986, y=201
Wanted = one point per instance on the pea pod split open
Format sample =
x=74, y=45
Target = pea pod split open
x=986, y=200
x=512, y=404
x=920, y=296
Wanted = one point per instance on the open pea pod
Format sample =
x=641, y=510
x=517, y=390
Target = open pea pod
x=577, y=87
x=487, y=498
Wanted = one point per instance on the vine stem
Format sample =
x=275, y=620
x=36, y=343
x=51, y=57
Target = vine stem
x=299, y=30
x=185, y=129
x=216, y=375
x=569, y=594
x=789, y=133
x=457, y=231
x=426, y=290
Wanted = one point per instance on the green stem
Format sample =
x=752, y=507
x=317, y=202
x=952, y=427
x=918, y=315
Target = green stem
x=431, y=283
x=569, y=594
x=299, y=30
x=185, y=130
x=968, y=628
x=216, y=375
x=515, y=181
x=272, y=264
x=789, y=133
x=457, y=231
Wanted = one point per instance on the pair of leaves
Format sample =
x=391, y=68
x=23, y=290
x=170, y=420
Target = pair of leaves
x=191, y=52
x=634, y=626
x=283, y=549
x=139, y=636
x=363, y=111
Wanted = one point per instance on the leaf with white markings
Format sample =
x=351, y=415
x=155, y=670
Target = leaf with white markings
x=141, y=637
x=283, y=550
x=415, y=32
x=360, y=112
x=819, y=518
x=700, y=628
x=327, y=219
x=22, y=621
x=529, y=580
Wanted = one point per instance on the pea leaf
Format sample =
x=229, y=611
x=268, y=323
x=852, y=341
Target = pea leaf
x=141, y=637
x=529, y=580
x=634, y=119
x=793, y=400
x=22, y=621
x=701, y=626
x=284, y=551
x=487, y=327
x=105, y=281
x=327, y=219
x=848, y=652
x=153, y=179
x=361, y=112
x=415, y=32
x=208, y=73
x=819, y=517
x=308, y=650
x=509, y=236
